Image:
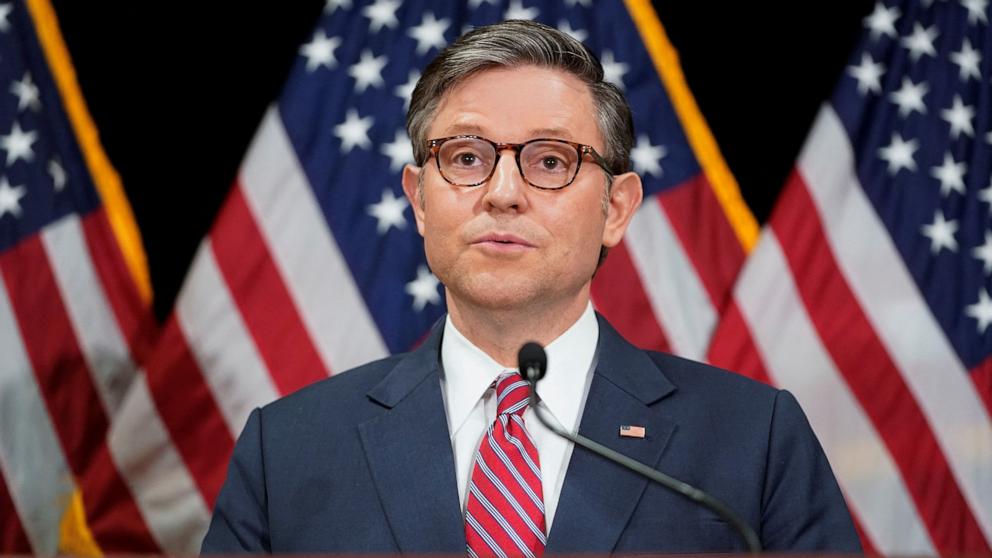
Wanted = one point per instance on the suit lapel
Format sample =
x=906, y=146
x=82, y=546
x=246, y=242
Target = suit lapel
x=408, y=450
x=598, y=497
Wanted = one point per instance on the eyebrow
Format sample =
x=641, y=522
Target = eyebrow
x=475, y=130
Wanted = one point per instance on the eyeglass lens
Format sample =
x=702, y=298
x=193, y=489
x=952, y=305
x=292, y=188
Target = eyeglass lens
x=546, y=164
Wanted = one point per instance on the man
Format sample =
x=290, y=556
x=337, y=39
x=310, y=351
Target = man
x=522, y=186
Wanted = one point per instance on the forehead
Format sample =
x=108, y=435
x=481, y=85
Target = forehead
x=518, y=104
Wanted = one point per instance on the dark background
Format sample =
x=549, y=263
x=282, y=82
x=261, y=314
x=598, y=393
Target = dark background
x=177, y=90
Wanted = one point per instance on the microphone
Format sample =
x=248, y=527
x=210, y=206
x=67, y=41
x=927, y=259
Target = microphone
x=533, y=364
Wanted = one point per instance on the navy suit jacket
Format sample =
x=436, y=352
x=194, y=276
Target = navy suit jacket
x=362, y=463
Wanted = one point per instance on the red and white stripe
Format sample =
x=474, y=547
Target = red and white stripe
x=258, y=317
x=305, y=253
x=68, y=361
x=32, y=464
x=826, y=308
x=664, y=285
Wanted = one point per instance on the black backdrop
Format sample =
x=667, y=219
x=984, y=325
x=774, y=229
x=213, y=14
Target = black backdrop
x=177, y=89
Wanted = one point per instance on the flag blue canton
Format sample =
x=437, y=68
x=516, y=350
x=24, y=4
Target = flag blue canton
x=42, y=173
x=916, y=104
x=344, y=109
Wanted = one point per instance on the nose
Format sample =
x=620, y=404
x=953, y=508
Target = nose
x=506, y=190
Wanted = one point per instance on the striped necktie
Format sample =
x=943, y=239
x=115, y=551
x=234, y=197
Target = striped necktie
x=504, y=515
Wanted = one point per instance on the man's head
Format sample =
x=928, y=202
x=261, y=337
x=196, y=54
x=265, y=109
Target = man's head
x=498, y=231
x=521, y=43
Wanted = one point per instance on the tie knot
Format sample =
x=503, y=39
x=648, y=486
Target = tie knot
x=511, y=394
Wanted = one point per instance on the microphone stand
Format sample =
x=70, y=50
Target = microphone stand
x=692, y=493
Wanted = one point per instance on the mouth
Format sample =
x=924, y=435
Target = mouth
x=502, y=241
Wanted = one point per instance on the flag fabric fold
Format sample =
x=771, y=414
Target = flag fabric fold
x=867, y=295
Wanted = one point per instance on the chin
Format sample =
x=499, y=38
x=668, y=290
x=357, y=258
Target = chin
x=504, y=292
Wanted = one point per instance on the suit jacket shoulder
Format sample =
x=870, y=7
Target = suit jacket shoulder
x=340, y=397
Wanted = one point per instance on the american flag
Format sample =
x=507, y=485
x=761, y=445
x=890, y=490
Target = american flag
x=314, y=265
x=74, y=306
x=868, y=294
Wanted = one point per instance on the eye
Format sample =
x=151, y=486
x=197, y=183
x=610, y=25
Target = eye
x=465, y=154
x=551, y=163
x=548, y=158
x=466, y=159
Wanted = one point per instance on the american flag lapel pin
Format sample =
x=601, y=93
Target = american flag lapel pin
x=631, y=431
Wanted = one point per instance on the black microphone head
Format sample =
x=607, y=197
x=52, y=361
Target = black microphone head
x=533, y=361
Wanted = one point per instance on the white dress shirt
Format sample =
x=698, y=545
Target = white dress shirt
x=470, y=401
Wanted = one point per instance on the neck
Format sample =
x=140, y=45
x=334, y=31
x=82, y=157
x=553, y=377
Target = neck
x=501, y=332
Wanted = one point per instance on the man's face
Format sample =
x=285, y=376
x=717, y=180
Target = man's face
x=505, y=244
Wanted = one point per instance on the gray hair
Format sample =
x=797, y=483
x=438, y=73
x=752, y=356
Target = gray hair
x=517, y=43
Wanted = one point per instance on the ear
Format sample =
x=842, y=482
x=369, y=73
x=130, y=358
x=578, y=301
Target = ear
x=625, y=198
x=411, y=183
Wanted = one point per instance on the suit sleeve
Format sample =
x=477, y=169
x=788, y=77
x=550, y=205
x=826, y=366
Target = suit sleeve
x=803, y=509
x=240, y=521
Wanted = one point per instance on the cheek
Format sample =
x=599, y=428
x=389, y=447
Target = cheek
x=441, y=229
x=582, y=224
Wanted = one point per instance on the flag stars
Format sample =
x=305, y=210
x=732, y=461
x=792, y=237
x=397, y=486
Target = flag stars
x=27, y=93
x=646, y=157
x=941, y=233
x=382, y=14
x=981, y=311
x=882, y=21
x=368, y=71
x=977, y=10
x=423, y=289
x=868, y=74
x=10, y=198
x=320, y=51
x=921, y=42
x=613, y=71
x=399, y=151
x=950, y=174
x=354, y=131
x=899, y=154
x=332, y=6
x=59, y=178
x=5, y=10
x=959, y=116
x=578, y=34
x=17, y=144
x=430, y=33
x=984, y=253
x=909, y=97
x=476, y=3
x=584, y=3
x=985, y=196
x=405, y=91
x=516, y=10
x=389, y=212
x=967, y=60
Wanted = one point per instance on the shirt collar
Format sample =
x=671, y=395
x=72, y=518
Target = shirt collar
x=468, y=371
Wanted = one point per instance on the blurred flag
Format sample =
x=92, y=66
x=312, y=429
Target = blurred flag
x=314, y=264
x=74, y=307
x=868, y=294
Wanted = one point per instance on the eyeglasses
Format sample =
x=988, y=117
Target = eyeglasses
x=548, y=164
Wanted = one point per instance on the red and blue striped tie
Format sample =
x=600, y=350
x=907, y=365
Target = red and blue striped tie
x=504, y=516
